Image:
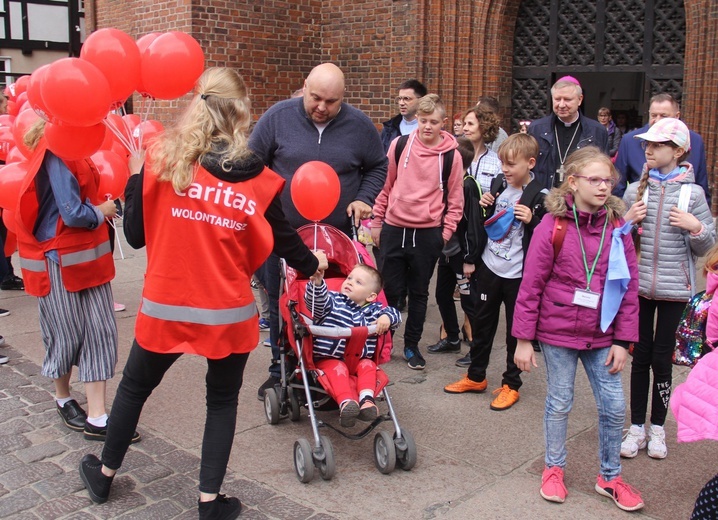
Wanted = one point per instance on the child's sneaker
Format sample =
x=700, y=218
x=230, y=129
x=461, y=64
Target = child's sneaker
x=367, y=409
x=552, y=486
x=263, y=324
x=623, y=495
x=657, y=442
x=634, y=440
x=414, y=358
x=348, y=414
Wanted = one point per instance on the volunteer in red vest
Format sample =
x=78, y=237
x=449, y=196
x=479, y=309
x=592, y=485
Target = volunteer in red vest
x=67, y=263
x=209, y=213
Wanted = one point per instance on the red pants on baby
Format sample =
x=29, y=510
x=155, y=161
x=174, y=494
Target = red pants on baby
x=341, y=381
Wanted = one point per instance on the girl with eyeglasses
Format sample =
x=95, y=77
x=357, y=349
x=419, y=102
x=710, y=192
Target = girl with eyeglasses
x=673, y=227
x=567, y=302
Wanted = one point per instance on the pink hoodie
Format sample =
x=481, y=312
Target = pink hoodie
x=412, y=196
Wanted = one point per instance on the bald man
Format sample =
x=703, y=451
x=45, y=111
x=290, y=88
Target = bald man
x=319, y=126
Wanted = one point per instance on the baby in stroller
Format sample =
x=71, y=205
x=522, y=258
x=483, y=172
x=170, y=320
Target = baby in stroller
x=354, y=305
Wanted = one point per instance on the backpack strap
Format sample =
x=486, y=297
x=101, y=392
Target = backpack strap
x=684, y=197
x=400, y=145
x=560, y=226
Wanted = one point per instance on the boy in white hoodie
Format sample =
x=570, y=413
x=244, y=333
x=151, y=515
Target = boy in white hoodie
x=416, y=213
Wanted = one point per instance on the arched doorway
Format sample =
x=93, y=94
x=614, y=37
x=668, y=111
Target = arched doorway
x=622, y=51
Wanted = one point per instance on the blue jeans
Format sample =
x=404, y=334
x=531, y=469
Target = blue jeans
x=561, y=366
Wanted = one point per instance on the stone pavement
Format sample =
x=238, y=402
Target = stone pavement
x=472, y=462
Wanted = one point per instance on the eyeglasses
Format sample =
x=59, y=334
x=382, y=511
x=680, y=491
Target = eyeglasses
x=596, y=181
x=405, y=99
x=650, y=144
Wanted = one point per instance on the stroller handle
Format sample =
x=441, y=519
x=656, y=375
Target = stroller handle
x=333, y=332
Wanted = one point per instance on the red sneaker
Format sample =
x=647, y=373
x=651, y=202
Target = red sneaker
x=623, y=495
x=552, y=487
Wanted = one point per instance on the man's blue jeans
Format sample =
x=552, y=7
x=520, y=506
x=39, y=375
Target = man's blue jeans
x=607, y=389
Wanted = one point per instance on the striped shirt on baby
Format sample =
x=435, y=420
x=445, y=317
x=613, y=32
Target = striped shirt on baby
x=333, y=309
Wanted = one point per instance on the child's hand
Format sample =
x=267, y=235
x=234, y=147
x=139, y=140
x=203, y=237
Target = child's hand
x=469, y=270
x=684, y=220
x=524, y=356
x=317, y=277
x=487, y=200
x=375, y=233
x=382, y=324
x=523, y=213
x=618, y=356
x=636, y=213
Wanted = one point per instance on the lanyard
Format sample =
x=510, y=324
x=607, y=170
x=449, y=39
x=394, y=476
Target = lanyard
x=589, y=274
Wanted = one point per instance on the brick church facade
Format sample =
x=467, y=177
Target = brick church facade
x=461, y=49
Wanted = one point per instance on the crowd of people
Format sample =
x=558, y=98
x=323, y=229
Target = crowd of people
x=583, y=254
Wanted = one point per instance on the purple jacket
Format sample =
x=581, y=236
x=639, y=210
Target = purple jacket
x=544, y=308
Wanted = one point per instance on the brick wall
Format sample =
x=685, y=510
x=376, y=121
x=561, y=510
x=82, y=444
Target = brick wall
x=460, y=49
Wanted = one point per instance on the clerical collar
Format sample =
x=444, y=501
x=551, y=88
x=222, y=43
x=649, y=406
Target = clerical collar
x=572, y=123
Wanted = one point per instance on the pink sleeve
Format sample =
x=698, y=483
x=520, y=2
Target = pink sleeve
x=455, y=200
x=712, y=321
x=379, y=209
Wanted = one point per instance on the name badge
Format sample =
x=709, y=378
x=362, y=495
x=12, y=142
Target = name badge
x=584, y=298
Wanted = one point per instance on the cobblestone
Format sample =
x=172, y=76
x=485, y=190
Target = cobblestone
x=283, y=507
x=151, y=472
x=62, y=506
x=41, y=452
x=12, y=443
x=20, y=500
x=170, y=486
x=31, y=394
x=157, y=511
x=60, y=485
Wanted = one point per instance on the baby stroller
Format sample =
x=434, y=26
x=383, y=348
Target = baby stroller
x=304, y=386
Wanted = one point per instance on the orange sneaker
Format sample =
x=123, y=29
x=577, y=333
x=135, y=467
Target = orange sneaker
x=466, y=385
x=505, y=399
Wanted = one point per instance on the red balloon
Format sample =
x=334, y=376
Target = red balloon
x=21, y=84
x=12, y=107
x=315, y=190
x=114, y=173
x=21, y=98
x=120, y=149
x=7, y=143
x=15, y=155
x=8, y=218
x=35, y=97
x=76, y=92
x=171, y=65
x=142, y=44
x=23, y=122
x=11, y=178
x=118, y=58
x=132, y=121
x=148, y=130
x=7, y=120
x=74, y=142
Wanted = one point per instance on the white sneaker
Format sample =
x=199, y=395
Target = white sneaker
x=634, y=440
x=657, y=442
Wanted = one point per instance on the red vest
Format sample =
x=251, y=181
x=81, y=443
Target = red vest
x=203, y=245
x=85, y=254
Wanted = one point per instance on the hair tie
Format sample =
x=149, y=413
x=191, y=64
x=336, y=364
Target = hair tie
x=204, y=96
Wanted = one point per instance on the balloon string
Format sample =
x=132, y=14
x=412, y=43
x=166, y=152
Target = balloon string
x=117, y=237
x=120, y=136
x=133, y=147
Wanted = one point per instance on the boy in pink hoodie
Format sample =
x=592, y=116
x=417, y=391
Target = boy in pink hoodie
x=413, y=218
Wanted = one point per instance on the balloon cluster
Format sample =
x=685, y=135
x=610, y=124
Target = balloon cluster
x=81, y=98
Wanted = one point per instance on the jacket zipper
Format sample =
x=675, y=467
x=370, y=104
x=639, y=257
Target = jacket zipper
x=657, y=241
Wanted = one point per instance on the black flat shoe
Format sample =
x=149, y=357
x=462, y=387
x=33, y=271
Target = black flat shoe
x=465, y=361
x=72, y=415
x=96, y=482
x=444, y=345
x=221, y=508
x=99, y=433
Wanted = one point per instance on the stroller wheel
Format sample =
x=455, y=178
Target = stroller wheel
x=327, y=467
x=271, y=405
x=303, y=462
x=295, y=408
x=405, y=450
x=384, y=452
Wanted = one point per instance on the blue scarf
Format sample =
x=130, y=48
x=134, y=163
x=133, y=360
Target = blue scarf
x=617, y=277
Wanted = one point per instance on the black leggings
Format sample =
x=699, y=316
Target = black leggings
x=654, y=352
x=143, y=372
